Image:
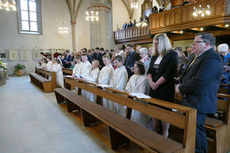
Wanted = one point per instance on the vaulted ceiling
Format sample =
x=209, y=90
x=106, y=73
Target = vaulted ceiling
x=74, y=6
x=130, y=11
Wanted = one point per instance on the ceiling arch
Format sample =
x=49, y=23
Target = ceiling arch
x=127, y=5
x=73, y=9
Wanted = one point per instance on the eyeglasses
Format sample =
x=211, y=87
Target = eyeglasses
x=196, y=42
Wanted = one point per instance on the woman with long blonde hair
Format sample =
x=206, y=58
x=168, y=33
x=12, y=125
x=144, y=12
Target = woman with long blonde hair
x=161, y=73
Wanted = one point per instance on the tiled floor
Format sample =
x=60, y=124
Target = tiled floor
x=32, y=122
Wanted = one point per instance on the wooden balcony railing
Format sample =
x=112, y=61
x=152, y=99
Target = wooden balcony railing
x=133, y=33
x=182, y=17
x=176, y=19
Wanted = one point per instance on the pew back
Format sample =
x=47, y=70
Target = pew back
x=67, y=71
x=51, y=76
x=218, y=128
x=184, y=119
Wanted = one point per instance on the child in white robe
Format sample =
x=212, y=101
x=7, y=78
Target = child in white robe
x=138, y=84
x=41, y=64
x=85, y=70
x=77, y=67
x=93, y=77
x=56, y=67
x=106, y=76
x=49, y=64
x=86, y=66
x=119, y=82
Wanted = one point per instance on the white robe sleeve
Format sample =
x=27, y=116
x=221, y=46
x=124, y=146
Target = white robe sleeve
x=142, y=84
x=137, y=84
x=106, y=75
x=60, y=79
x=49, y=66
x=121, y=81
x=129, y=84
x=86, y=69
x=77, y=69
x=93, y=76
x=111, y=77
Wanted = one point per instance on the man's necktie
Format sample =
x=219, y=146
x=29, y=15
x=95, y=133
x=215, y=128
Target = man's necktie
x=194, y=59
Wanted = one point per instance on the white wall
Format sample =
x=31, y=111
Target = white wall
x=120, y=14
x=137, y=12
x=54, y=13
x=82, y=27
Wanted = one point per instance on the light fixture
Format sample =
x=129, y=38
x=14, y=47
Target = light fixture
x=181, y=32
x=202, y=11
x=226, y=25
x=202, y=29
x=8, y=5
x=134, y=5
x=63, y=29
x=141, y=24
x=92, y=16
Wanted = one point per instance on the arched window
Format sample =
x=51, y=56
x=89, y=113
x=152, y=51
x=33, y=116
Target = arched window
x=29, y=16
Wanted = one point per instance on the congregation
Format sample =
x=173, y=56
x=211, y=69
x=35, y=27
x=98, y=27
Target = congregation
x=154, y=72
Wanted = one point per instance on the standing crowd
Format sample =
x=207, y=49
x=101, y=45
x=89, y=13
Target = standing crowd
x=159, y=72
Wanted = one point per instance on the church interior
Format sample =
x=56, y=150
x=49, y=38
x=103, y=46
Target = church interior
x=124, y=76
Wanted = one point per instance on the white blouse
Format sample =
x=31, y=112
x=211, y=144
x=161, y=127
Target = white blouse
x=158, y=60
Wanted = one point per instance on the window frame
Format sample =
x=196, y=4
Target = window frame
x=38, y=15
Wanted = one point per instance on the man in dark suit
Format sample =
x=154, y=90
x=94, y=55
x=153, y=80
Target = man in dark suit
x=84, y=52
x=100, y=57
x=68, y=59
x=200, y=83
x=131, y=58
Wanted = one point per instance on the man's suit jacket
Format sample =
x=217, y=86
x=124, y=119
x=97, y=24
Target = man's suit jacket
x=200, y=82
x=130, y=61
x=68, y=58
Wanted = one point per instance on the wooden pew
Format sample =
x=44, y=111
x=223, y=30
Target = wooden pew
x=120, y=127
x=223, y=88
x=67, y=71
x=68, y=83
x=218, y=128
x=45, y=80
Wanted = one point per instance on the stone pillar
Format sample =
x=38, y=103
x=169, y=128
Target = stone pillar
x=101, y=32
x=73, y=36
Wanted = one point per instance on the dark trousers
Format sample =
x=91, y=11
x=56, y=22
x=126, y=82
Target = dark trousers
x=201, y=139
